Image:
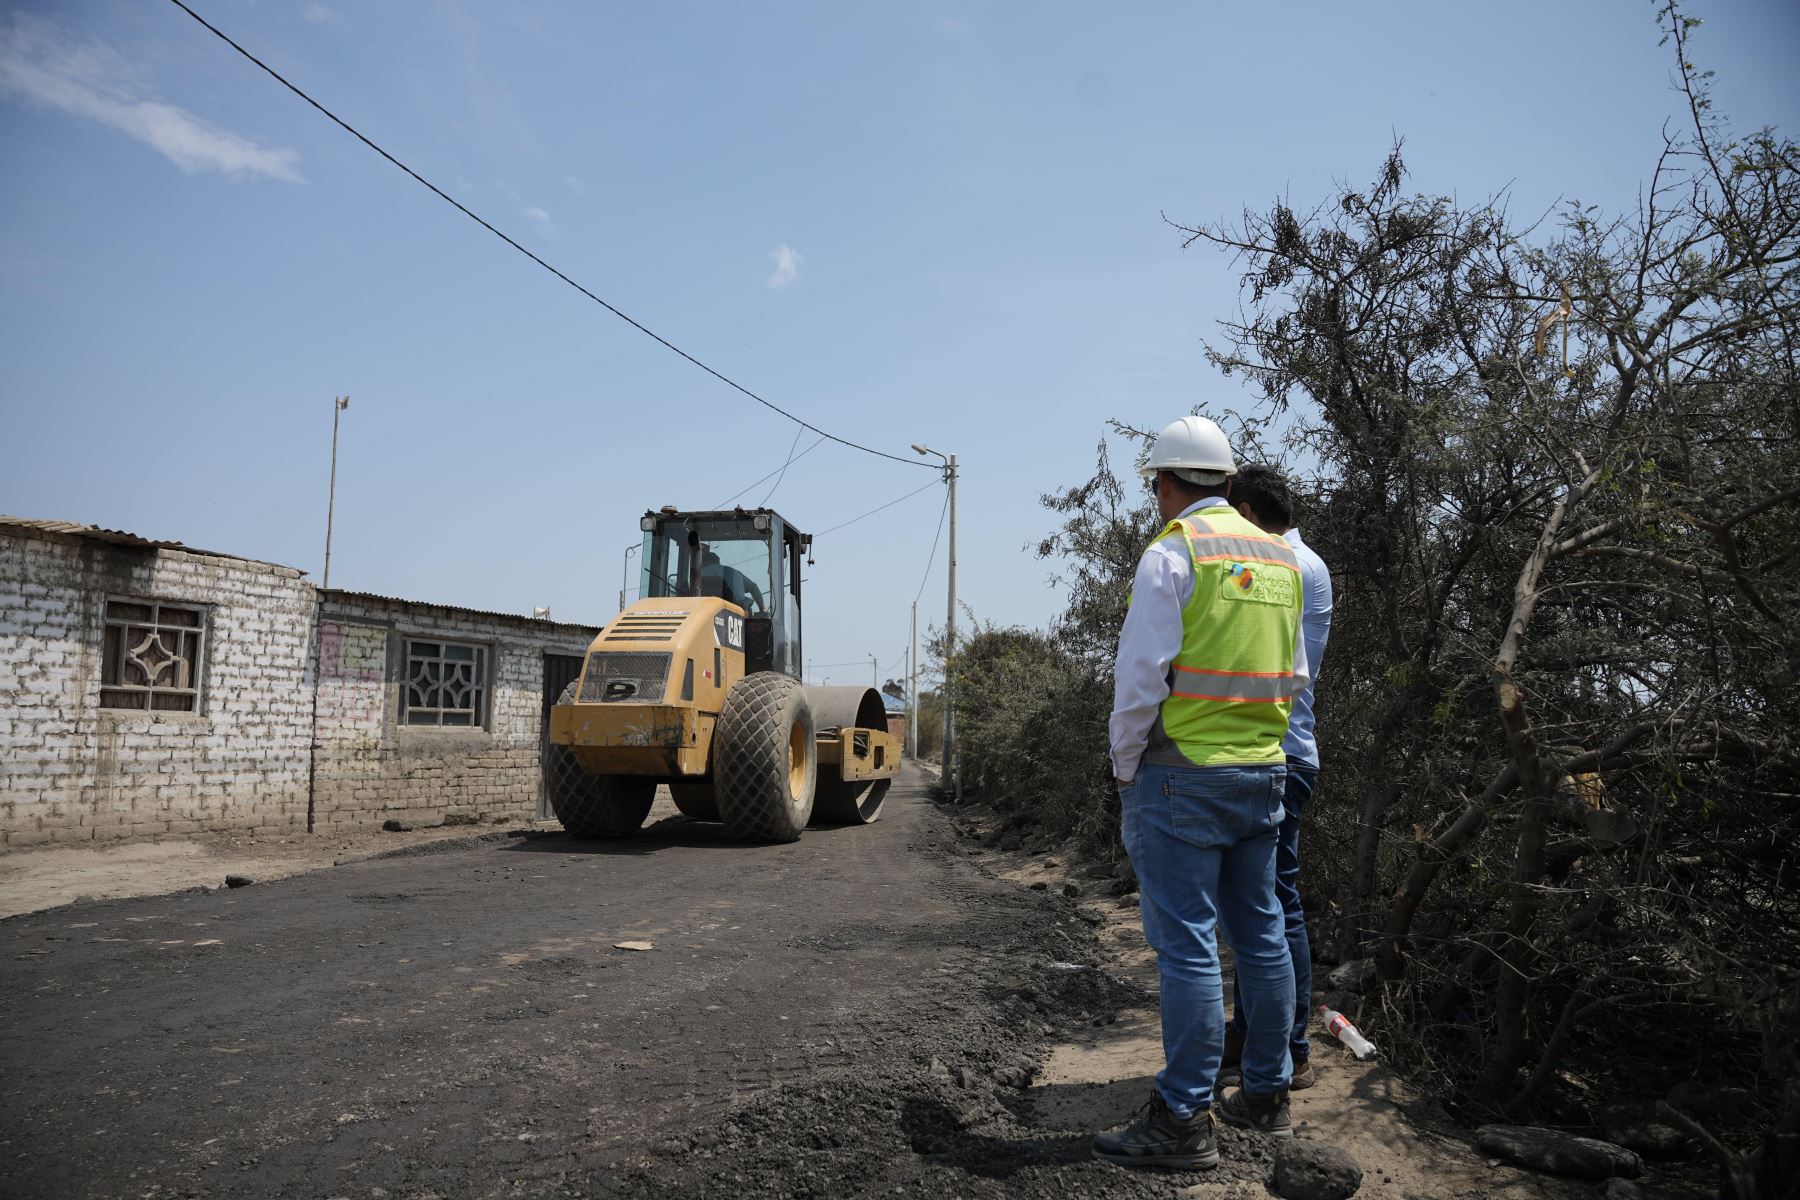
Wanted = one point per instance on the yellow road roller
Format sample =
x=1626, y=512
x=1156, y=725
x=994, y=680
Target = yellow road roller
x=698, y=685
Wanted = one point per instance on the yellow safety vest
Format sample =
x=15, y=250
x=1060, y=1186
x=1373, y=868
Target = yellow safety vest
x=1231, y=687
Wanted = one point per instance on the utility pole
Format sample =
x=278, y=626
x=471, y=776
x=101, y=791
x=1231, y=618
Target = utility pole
x=950, y=649
x=949, y=770
x=338, y=405
x=874, y=672
x=912, y=686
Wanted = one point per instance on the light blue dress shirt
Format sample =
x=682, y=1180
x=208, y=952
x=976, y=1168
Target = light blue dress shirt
x=1315, y=628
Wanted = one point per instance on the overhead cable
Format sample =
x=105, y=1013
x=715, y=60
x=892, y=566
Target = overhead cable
x=465, y=211
x=784, y=466
x=771, y=474
x=931, y=560
x=873, y=511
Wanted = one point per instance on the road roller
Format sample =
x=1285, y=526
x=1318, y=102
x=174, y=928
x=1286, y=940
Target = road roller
x=698, y=685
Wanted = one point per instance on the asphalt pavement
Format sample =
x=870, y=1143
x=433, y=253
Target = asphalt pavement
x=837, y=1016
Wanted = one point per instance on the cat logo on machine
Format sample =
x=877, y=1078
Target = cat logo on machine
x=728, y=630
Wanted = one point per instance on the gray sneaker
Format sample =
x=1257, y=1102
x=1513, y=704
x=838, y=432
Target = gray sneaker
x=1265, y=1114
x=1157, y=1137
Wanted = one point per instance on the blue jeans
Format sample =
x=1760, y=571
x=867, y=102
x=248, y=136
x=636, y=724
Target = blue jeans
x=1203, y=842
x=1300, y=781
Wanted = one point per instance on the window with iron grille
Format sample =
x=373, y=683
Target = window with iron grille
x=444, y=684
x=152, y=656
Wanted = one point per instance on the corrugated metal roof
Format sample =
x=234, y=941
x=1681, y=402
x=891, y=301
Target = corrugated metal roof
x=119, y=537
x=325, y=595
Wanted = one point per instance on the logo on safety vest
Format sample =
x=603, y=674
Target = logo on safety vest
x=1242, y=582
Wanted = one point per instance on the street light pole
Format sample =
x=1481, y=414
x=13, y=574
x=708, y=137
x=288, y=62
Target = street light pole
x=949, y=772
x=874, y=672
x=338, y=405
x=625, y=573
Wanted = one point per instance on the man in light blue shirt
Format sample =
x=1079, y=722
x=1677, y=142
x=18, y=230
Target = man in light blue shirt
x=1261, y=495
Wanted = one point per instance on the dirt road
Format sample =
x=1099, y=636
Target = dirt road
x=853, y=1014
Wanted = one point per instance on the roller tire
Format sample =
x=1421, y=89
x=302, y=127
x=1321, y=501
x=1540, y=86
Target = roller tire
x=697, y=801
x=595, y=806
x=853, y=802
x=757, y=799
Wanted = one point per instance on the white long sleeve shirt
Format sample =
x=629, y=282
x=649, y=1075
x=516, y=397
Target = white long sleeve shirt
x=1150, y=642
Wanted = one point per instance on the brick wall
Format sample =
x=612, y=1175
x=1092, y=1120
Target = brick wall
x=369, y=766
x=72, y=771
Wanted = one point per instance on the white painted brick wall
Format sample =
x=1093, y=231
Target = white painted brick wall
x=73, y=771
x=370, y=767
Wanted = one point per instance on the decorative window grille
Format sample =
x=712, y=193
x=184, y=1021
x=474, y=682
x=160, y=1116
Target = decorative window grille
x=445, y=684
x=152, y=656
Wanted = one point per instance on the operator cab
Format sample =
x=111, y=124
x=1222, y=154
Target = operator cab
x=749, y=557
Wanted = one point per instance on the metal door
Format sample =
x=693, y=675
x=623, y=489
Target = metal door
x=560, y=670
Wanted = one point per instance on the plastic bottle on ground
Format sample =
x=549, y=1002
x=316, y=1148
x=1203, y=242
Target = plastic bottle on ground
x=1339, y=1027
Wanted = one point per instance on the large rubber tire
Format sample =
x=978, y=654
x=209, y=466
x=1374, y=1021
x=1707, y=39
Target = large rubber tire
x=595, y=806
x=765, y=759
x=857, y=802
x=697, y=801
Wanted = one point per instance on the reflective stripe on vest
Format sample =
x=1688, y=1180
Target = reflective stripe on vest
x=1231, y=686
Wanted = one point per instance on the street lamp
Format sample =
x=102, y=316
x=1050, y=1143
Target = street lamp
x=625, y=573
x=950, y=625
x=338, y=405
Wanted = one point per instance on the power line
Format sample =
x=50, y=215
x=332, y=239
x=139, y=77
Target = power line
x=873, y=511
x=771, y=474
x=931, y=560
x=460, y=207
x=784, y=466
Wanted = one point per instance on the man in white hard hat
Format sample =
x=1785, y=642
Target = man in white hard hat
x=1209, y=659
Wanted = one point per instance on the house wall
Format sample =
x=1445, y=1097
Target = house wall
x=71, y=771
x=370, y=767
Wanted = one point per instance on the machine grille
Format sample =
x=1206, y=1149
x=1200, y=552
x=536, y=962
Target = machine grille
x=613, y=676
x=646, y=627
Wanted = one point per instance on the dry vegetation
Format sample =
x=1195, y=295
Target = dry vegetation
x=1554, y=470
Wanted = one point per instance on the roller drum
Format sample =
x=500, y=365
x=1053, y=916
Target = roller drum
x=837, y=801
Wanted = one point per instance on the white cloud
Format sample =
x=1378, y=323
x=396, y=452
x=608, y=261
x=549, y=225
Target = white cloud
x=42, y=63
x=788, y=262
x=539, y=215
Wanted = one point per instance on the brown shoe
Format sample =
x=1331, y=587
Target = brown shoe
x=1304, y=1076
x=1263, y=1113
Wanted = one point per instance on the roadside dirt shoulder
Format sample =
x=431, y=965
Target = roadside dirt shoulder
x=1096, y=1074
x=32, y=880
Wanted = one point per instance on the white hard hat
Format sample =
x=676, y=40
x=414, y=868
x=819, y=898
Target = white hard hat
x=1195, y=449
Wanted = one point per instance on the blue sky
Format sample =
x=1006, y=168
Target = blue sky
x=933, y=221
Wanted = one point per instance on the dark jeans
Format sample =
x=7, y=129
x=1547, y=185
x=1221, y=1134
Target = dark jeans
x=1300, y=781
